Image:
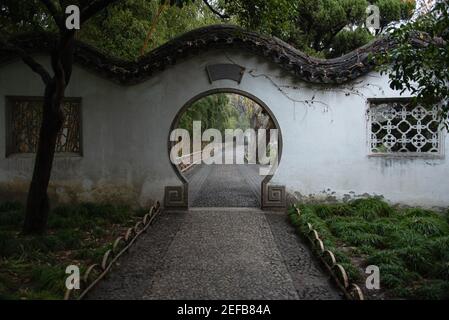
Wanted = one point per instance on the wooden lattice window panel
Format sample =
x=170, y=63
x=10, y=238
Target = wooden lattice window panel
x=398, y=128
x=24, y=117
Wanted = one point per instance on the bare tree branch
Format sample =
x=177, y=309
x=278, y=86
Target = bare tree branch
x=28, y=60
x=215, y=11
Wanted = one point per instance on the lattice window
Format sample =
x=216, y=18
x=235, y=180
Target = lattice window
x=24, y=117
x=398, y=128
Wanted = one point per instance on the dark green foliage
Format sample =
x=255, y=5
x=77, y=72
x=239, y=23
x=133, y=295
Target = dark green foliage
x=330, y=242
x=34, y=266
x=410, y=246
x=24, y=15
x=345, y=41
x=10, y=206
x=214, y=111
x=9, y=245
x=324, y=28
x=395, y=275
x=433, y=290
x=353, y=273
x=331, y=210
x=83, y=215
x=11, y=218
x=427, y=226
x=371, y=208
x=91, y=254
x=48, y=278
x=422, y=69
x=121, y=29
x=387, y=257
x=440, y=247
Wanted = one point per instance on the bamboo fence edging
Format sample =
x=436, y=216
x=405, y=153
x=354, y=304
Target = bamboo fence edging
x=131, y=236
x=338, y=273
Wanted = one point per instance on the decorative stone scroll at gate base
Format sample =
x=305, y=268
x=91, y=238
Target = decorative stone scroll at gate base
x=176, y=197
x=273, y=197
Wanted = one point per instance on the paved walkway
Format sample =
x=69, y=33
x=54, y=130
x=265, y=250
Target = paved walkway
x=224, y=186
x=219, y=253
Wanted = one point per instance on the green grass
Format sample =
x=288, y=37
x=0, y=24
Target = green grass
x=33, y=267
x=410, y=246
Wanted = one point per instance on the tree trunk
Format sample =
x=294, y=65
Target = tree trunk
x=38, y=203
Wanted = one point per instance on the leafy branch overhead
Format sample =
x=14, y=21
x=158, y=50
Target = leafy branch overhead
x=419, y=63
x=324, y=28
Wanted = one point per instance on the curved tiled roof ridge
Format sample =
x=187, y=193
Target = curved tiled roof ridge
x=304, y=67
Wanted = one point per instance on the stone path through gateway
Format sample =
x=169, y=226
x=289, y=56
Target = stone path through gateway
x=224, y=186
x=220, y=250
x=214, y=253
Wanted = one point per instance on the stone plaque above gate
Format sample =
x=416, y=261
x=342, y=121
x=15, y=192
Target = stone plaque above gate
x=226, y=71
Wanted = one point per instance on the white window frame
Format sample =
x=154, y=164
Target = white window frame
x=371, y=102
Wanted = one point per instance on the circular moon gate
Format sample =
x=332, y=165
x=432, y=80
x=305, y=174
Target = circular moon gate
x=272, y=196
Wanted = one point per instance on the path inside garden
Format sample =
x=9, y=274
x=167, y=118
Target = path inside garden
x=219, y=249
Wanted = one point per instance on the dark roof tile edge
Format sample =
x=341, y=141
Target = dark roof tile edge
x=306, y=68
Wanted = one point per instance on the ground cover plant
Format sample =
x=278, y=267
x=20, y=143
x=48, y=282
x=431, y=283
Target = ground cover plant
x=33, y=267
x=409, y=245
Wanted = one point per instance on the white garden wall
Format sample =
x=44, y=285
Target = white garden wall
x=125, y=131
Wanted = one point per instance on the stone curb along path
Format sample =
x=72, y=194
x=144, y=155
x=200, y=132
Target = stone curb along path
x=337, y=271
x=218, y=253
x=96, y=272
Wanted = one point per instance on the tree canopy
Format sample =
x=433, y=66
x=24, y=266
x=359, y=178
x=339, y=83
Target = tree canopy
x=324, y=28
x=214, y=111
x=121, y=29
x=420, y=61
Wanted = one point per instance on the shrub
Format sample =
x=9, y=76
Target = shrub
x=35, y=265
x=68, y=239
x=385, y=226
x=331, y=210
x=403, y=237
x=9, y=245
x=48, y=278
x=385, y=257
x=432, y=290
x=417, y=259
x=340, y=225
x=395, y=275
x=427, y=226
x=371, y=208
x=418, y=212
x=10, y=206
x=411, y=246
x=11, y=214
x=439, y=248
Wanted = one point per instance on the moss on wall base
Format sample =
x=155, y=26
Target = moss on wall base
x=68, y=192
